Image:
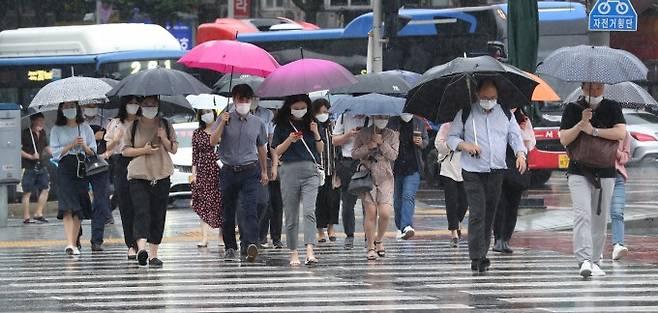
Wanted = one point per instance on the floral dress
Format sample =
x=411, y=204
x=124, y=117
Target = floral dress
x=206, y=199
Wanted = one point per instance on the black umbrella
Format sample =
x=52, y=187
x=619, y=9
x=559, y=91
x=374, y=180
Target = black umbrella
x=445, y=89
x=159, y=81
x=223, y=85
x=388, y=83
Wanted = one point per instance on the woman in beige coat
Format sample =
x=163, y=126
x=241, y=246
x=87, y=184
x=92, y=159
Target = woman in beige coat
x=377, y=147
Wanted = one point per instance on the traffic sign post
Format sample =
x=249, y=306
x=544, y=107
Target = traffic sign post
x=613, y=15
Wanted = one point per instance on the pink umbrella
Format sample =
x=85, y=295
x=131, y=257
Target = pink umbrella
x=304, y=76
x=229, y=56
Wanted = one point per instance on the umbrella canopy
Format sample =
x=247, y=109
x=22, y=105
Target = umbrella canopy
x=448, y=88
x=593, y=64
x=159, y=81
x=370, y=104
x=228, y=56
x=412, y=78
x=523, y=33
x=304, y=76
x=223, y=85
x=81, y=89
x=625, y=93
x=208, y=102
x=543, y=91
x=388, y=83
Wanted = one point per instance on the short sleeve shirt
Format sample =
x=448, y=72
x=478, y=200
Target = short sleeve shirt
x=151, y=167
x=40, y=141
x=241, y=138
x=297, y=151
x=607, y=115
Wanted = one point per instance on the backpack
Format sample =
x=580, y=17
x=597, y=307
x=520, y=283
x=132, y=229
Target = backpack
x=134, y=130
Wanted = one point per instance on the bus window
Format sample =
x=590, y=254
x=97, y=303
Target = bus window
x=119, y=70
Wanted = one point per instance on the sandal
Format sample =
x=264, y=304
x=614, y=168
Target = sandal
x=311, y=261
x=323, y=240
x=372, y=257
x=295, y=263
x=382, y=252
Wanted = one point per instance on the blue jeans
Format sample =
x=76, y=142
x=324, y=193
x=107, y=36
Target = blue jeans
x=404, y=199
x=617, y=210
x=100, y=186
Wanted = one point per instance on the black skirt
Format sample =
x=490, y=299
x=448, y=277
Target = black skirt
x=72, y=191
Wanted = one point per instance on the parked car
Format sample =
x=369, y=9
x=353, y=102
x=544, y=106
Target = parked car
x=180, y=180
x=643, y=127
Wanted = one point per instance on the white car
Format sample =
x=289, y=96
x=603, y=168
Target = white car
x=643, y=127
x=180, y=180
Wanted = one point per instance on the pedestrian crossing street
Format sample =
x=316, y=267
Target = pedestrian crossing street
x=415, y=276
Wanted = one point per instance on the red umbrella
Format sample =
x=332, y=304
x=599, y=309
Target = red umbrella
x=229, y=56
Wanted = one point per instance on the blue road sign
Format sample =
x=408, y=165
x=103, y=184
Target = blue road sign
x=183, y=33
x=613, y=15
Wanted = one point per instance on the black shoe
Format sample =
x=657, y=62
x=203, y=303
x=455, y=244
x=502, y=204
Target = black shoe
x=110, y=221
x=40, y=219
x=332, y=238
x=142, y=257
x=155, y=262
x=349, y=243
x=96, y=247
x=252, y=253
x=475, y=264
x=506, y=248
x=229, y=255
x=454, y=243
x=484, y=265
x=498, y=246
x=278, y=245
x=28, y=221
x=132, y=257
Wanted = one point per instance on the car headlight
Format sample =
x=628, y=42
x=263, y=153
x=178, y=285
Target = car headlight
x=183, y=168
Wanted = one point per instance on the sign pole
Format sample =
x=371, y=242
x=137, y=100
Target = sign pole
x=4, y=205
x=231, y=8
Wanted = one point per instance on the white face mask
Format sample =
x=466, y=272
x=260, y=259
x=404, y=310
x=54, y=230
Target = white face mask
x=243, y=108
x=406, y=117
x=593, y=101
x=132, y=108
x=488, y=104
x=150, y=112
x=91, y=112
x=298, y=113
x=380, y=123
x=322, y=117
x=70, y=114
x=208, y=118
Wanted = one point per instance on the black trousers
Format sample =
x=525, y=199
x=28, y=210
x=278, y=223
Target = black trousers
x=456, y=204
x=507, y=212
x=482, y=194
x=327, y=204
x=272, y=217
x=122, y=196
x=150, y=203
x=345, y=169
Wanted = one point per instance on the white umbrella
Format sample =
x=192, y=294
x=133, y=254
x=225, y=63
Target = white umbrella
x=208, y=102
x=81, y=89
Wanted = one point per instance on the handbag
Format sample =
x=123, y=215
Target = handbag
x=593, y=151
x=361, y=181
x=95, y=165
x=318, y=167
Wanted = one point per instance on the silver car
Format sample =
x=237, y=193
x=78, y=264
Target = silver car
x=643, y=127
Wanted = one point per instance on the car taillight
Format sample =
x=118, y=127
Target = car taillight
x=642, y=137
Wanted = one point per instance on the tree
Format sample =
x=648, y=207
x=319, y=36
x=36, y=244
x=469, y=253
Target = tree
x=310, y=8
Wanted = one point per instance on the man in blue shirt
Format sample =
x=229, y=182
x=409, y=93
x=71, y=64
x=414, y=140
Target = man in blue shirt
x=242, y=139
x=484, y=137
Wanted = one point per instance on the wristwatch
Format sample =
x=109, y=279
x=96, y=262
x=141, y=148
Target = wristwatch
x=595, y=132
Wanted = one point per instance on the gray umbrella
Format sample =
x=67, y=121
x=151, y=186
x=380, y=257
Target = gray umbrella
x=389, y=83
x=370, y=104
x=224, y=85
x=626, y=92
x=593, y=64
x=81, y=89
x=159, y=81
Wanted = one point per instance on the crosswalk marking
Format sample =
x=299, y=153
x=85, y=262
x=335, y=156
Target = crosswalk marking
x=416, y=276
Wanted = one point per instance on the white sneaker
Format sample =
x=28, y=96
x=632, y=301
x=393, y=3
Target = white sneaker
x=76, y=251
x=586, y=269
x=597, y=271
x=619, y=252
x=399, y=235
x=408, y=232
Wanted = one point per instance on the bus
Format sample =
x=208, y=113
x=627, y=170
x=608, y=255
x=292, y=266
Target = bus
x=428, y=38
x=229, y=28
x=32, y=57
